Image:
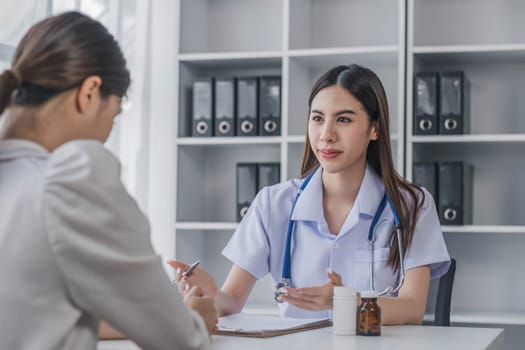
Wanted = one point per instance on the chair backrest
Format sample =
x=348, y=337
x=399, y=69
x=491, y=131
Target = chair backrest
x=444, y=295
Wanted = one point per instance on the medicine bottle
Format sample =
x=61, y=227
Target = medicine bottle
x=344, y=309
x=368, y=317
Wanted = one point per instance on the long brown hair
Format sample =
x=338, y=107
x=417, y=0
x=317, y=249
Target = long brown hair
x=58, y=54
x=366, y=87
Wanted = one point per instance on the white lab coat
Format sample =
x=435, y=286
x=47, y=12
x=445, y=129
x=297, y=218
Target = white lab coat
x=258, y=243
x=74, y=249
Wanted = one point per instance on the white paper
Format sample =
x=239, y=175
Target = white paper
x=252, y=322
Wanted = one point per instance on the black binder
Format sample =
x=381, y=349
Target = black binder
x=451, y=189
x=246, y=187
x=268, y=174
x=425, y=103
x=270, y=106
x=451, y=111
x=224, y=107
x=425, y=175
x=202, y=115
x=246, y=103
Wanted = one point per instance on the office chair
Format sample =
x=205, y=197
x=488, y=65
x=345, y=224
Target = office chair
x=444, y=296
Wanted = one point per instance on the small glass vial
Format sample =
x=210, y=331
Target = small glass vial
x=344, y=309
x=368, y=319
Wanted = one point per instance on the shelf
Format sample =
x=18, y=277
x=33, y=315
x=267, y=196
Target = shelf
x=372, y=57
x=203, y=67
x=466, y=22
x=239, y=57
x=231, y=25
x=471, y=53
x=237, y=140
x=361, y=50
x=206, y=226
x=478, y=138
x=206, y=177
x=485, y=49
x=485, y=229
x=296, y=139
x=318, y=23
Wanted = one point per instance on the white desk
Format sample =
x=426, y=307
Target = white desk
x=392, y=338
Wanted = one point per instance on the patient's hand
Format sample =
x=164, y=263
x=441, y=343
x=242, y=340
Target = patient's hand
x=198, y=277
x=205, y=306
x=105, y=331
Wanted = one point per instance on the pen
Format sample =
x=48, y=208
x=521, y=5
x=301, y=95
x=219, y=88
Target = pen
x=190, y=269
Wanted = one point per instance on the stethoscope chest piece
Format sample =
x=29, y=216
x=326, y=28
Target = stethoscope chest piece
x=280, y=289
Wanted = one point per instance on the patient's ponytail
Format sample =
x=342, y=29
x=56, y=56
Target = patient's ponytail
x=59, y=53
x=9, y=82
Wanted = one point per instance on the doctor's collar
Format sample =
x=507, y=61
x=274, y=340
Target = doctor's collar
x=370, y=193
x=309, y=206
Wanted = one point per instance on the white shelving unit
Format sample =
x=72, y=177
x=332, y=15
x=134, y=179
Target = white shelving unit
x=301, y=40
x=483, y=38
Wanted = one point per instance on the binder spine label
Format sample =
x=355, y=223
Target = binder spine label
x=247, y=91
x=452, y=92
x=451, y=193
x=425, y=175
x=269, y=106
x=224, y=107
x=246, y=187
x=268, y=174
x=202, y=103
x=425, y=104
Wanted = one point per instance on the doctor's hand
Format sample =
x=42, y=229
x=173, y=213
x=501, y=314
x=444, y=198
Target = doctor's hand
x=205, y=306
x=314, y=298
x=198, y=277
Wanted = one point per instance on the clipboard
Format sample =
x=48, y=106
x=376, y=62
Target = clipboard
x=265, y=326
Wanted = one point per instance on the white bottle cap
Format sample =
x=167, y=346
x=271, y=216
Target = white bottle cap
x=340, y=291
x=369, y=294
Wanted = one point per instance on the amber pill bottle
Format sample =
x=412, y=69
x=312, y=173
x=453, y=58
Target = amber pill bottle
x=368, y=316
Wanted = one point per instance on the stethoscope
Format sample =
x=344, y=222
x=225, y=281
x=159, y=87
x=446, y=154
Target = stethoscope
x=286, y=276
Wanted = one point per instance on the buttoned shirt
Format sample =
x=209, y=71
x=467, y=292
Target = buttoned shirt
x=257, y=245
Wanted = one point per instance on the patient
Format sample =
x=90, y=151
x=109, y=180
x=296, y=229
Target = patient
x=74, y=246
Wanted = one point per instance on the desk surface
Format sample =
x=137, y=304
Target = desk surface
x=392, y=338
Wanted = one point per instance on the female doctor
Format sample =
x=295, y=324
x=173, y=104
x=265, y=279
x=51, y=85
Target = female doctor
x=342, y=216
x=74, y=245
